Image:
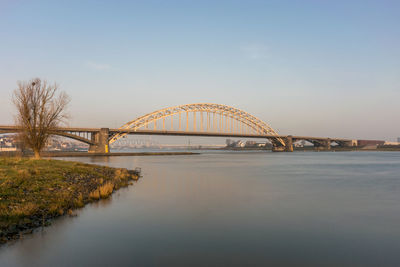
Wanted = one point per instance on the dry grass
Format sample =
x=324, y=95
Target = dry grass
x=106, y=189
x=121, y=173
x=95, y=194
x=102, y=191
x=24, y=209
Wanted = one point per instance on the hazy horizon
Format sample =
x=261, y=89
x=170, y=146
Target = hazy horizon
x=305, y=68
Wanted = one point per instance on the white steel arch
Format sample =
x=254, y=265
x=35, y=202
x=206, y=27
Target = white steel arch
x=241, y=116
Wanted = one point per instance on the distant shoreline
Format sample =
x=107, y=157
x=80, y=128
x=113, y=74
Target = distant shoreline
x=86, y=154
x=197, y=152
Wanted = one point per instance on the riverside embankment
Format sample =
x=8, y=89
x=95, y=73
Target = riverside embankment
x=53, y=154
x=33, y=192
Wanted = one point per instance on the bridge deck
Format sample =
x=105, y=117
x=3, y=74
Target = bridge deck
x=177, y=133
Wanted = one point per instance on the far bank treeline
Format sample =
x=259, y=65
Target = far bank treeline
x=32, y=192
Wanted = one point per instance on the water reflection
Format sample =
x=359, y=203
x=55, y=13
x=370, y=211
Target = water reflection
x=338, y=209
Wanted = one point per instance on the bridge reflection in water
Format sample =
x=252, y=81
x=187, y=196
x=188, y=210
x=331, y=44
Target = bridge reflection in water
x=202, y=119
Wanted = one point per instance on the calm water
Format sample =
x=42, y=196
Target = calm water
x=233, y=209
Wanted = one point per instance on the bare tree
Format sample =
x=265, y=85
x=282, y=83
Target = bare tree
x=40, y=108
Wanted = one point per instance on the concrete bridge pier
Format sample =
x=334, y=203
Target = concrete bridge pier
x=288, y=143
x=345, y=143
x=101, y=141
x=288, y=147
x=323, y=144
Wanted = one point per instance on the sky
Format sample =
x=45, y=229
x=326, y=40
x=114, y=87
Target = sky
x=319, y=68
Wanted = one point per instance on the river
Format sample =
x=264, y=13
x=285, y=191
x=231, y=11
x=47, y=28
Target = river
x=233, y=209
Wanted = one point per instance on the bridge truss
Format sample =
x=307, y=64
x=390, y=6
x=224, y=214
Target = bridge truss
x=204, y=117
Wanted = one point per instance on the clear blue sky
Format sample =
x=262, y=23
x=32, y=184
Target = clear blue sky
x=323, y=68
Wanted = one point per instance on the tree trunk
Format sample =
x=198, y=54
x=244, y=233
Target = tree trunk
x=37, y=153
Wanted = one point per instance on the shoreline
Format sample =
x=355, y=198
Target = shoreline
x=86, y=154
x=35, y=192
x=56, y=154
x=113, y=154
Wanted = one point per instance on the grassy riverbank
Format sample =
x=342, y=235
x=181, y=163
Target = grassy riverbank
x=32, y=192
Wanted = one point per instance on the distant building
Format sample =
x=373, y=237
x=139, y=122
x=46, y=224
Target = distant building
x=388, y=143
x=241, y=144
x=298, y=144
x=363, y=143
x=254, y=144
x=232, y=143
x=8, y=143
x=8, y=149
x=229, y=143
x=251, y=144
x=398, y=139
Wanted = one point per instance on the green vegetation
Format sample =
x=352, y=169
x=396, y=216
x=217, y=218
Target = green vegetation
x=32, y=192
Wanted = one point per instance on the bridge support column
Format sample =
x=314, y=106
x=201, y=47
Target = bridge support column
x=323, y=145
x=288, y=144
x=101, y=141
x=288, y=147
x=346, y=144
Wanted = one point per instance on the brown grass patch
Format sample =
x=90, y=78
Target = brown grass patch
x=103, y=191
x=95, y=194
x=121, y=173
x=106, y=189
x=25, y=209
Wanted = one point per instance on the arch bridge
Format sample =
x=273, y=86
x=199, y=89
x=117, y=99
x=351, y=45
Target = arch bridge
x=200, y=119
